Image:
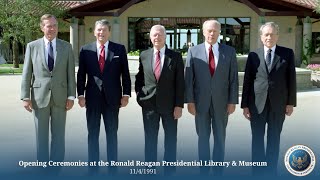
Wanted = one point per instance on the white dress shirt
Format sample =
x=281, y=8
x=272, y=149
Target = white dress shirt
x=155, y=51
x=215, y=48
x=266, y=52
x=54, y=46
x=106, y=45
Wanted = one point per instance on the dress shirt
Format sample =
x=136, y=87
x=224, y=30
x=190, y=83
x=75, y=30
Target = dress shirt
x=266, y=52
x=215, y=48
x=162, y=51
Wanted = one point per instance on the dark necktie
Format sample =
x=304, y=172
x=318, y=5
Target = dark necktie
x=269, y=59
x=101, y=58
x=50, y=57
x=212, y=65
x=157, y=68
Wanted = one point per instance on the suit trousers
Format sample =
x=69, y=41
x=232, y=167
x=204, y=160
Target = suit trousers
x=204, y=122
x=271, y=153
x=54, y=118
x=111, y=122
x=151, y=119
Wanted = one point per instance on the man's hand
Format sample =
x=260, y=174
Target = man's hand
x=289, y=110
x=69, y=104
x=27, y=105
x=231, y=108
x=177, y=112
x=81, y=101
x=246, y=113
x=124, y=101
x=192, y=108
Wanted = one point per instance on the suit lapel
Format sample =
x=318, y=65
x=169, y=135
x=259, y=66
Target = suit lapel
x=221, y=57
x=42, y=56
x=149, y=62
x=262, y=60
x=167, y=61
x=95, y=60
x=276, y=58
x=57, y=54
x=110, y=52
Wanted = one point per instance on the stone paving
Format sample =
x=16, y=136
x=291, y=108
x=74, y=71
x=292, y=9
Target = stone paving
x=17, y=134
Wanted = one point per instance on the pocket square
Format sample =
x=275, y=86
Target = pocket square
x=115, y=56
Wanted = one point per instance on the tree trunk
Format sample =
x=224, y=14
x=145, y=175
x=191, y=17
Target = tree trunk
x=15, y=54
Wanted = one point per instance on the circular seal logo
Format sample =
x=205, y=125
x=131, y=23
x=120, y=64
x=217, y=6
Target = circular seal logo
x=299, y=160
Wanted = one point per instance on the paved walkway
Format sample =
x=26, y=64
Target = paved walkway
x=17, y=134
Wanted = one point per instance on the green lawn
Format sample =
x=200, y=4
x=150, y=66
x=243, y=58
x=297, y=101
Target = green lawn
x=8, y=69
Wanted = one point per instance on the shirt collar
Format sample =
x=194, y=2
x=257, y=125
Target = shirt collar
x=266, y=49
x=161, y=50
x=105, y=45
x=215, y=45
x=46, y=41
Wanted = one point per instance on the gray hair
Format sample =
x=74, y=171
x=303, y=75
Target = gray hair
x=211, y=21
x=270, y=24
x=45, y=17
x=103, y=22
x=160, y=27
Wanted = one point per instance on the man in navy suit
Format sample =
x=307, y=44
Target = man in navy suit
x=269, y=94
x=103, y=87
x=211, y=83
x=160, y=90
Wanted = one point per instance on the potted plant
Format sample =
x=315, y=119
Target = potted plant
x=315, y=76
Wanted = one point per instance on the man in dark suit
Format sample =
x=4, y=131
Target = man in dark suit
x=160, y=90
x=48, y=88
x=211, y=87
x=269, y=93
x=103, y=85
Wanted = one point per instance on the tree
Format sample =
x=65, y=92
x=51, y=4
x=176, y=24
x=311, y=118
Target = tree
x=19, y=20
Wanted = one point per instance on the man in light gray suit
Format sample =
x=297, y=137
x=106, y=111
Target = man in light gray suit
x=211, y=91
x=48, y=88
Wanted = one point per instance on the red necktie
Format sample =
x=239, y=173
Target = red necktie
x=157, y=68
x=212, y=65
x=101, y=58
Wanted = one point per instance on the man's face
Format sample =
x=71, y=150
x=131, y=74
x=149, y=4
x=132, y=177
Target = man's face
x=157, y=38
x=269, y=36
x=102, y=33
x=211, y=32
x=50, y=28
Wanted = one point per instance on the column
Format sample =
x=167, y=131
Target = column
x=74, y=38
x=298, y=45
x=307, y=40
x=115, y=29
x=260, y=23
x=81, y=32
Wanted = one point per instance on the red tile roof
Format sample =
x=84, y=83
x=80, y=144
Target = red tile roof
x=311, y=4
x=70, y=4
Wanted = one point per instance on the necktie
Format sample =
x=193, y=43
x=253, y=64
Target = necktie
x=101, y=58
x=269, y=59
x=157, y=68
x=212, y=65
x=50, y=56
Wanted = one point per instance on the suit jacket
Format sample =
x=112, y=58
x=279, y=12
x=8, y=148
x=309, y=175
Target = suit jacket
x=114, y=81
x=42, y=84
x=220, y=89
x=168, y=92
x=279, y=84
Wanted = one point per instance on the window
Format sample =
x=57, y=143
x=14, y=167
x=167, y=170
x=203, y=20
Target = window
x=185, y=32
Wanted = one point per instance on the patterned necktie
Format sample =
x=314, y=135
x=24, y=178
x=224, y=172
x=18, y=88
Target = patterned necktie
x=157, y=68
x=212, y=65
x=50, y=56
x=101, y=58
x=269, y=59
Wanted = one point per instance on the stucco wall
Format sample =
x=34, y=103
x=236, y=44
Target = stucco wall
x=199, y=8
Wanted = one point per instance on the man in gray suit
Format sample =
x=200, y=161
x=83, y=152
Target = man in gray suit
x=48, y=88
x=211, y=91
x=269, y=94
